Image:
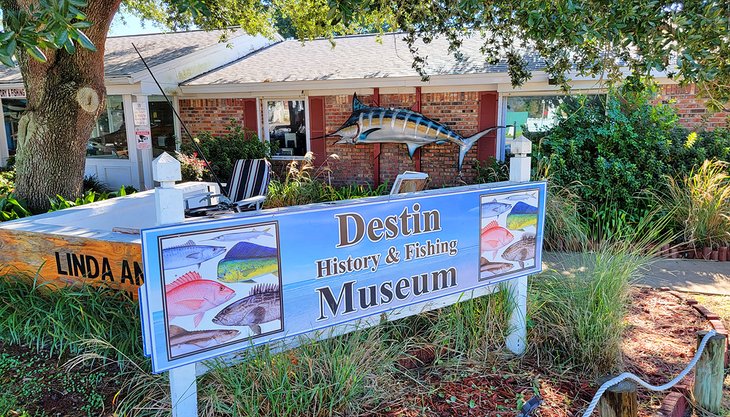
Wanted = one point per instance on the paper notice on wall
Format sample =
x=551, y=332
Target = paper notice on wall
x=144, y=138
x=141, y=115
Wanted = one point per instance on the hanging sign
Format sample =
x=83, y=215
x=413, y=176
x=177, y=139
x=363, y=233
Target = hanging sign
x=219, y=286
x=144, y=138
x=140, y=112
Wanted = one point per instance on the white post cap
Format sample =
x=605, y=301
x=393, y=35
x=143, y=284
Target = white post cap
x=521, y=146
x=165, y=168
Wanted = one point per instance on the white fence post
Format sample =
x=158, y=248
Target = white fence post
x=170, y=208
x=519, y=171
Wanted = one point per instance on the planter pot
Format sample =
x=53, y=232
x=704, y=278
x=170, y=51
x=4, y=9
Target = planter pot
x=722, y=254
x=714, y=255
x=706, y=252
x=673, y=253
x=689, y=253
x=664, y=251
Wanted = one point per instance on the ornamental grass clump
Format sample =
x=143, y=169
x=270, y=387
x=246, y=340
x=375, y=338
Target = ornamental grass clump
x=577, y=307
x=700, y=203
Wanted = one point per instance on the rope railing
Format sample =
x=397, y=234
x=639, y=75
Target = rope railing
x=628, y=375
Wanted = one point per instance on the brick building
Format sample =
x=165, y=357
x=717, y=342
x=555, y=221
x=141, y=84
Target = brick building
x=294, y=93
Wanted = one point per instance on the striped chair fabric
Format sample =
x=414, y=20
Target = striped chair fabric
x=250, y=178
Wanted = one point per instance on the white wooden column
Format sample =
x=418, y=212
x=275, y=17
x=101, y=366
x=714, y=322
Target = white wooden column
x=144, y=155
x=4, y=151
x=519, y=171
x=169, y=209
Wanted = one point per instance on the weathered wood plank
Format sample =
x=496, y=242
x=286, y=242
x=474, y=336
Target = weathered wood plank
x=707, y=390
x=619, y=401
x=70, y=260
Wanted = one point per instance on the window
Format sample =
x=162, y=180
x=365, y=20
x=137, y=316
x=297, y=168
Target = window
x=109, y=137
x=13, y=108
x=286, y=126
x=162, y=126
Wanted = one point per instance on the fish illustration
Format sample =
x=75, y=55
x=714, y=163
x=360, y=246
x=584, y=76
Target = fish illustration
x=495, y=237
x=521, y=250
x=521, y=216
x=189, y=254
x=519, y=197
x=246, y=261
x=200, y=338
x=380, y=125
x=191, y=295
x=242, y=236
x=494, y=268
x=494, y=208
x=261, y=306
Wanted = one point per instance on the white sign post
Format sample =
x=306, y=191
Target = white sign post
x=169, y=208
x=519, y=171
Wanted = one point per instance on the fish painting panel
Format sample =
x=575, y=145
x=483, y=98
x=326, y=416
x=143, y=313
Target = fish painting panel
x=189, y=254
x=246, y=261
x=494, y=237
x=191, y=295
x=521, y=216
x=179, y=337
x=521, y=250
x=263, y=305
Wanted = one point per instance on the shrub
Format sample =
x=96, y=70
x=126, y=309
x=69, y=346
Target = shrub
x=491, y=170
x=700, y=204
x=91, y=196
x=223, y=151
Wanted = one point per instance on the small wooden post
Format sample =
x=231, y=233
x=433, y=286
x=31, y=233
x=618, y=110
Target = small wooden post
x=619, y=400
x=707, y=390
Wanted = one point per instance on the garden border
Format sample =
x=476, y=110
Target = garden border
x=675, y=403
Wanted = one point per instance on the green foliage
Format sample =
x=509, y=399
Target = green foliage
x=7, y=181
x=11, y=208
x=91, y=196
x=59, y=320
x=92, y=183
x=223, y=151
x=700, y=204
x=305, y=184
x=618, y=150
x=491, y=170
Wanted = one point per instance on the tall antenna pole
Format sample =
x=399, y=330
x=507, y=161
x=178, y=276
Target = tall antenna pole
x=192, y=139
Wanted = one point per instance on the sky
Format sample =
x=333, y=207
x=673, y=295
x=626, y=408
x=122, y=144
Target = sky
x=132, y=26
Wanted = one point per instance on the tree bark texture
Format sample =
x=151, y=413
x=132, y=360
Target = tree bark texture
x=65, y=96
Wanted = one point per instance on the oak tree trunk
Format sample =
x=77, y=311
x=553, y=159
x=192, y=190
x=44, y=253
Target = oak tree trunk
x=65, y=96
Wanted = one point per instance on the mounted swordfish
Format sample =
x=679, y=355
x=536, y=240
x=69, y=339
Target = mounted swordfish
x=380, y=125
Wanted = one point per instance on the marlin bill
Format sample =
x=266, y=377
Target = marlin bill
x=380, y=125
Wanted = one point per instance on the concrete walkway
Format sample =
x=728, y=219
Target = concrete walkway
x=688, y=275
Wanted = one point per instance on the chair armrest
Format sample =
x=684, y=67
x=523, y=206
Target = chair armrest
x=251, y=201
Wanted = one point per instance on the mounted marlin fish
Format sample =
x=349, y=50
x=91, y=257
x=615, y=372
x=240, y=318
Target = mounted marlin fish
x=380, y=125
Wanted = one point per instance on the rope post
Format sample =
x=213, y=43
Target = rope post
x=620, y=400
x=707, y=389
x=519, y=171
x=170, y=208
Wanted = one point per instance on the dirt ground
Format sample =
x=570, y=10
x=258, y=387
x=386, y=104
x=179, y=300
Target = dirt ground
x=660, y=340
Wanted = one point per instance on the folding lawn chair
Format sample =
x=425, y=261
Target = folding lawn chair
x=247, y=189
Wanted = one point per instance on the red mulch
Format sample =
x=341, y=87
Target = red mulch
x=660, y=340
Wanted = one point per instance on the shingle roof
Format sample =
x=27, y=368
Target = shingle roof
x=121, y=60
x=353, y=57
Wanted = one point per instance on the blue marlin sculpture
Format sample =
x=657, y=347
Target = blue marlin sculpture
x=380, y=125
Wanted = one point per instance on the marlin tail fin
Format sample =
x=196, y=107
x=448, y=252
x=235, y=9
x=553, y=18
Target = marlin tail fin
x=468, y=142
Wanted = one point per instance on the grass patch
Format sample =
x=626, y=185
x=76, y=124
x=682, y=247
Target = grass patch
x=59, y=320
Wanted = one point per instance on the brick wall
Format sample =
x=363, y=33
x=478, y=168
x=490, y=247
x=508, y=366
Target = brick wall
x=692, y=110
x=458, y=111
x=210, y=114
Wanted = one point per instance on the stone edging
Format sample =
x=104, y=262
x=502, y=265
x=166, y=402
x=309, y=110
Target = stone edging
x=675, y=403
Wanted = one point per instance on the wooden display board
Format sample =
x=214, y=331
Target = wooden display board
x=71, y=260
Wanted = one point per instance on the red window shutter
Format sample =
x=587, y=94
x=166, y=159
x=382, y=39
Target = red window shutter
x=250, y=116
x=317, y=129
x=487, y=146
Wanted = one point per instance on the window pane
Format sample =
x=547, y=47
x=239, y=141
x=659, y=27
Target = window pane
x=287, y=128
x=13, y=108
x=161, y=124
x=109, y=137
x=535, y=113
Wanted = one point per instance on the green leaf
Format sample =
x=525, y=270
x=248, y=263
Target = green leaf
x=85, y=41
x=6, y=60
x=36, y=53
